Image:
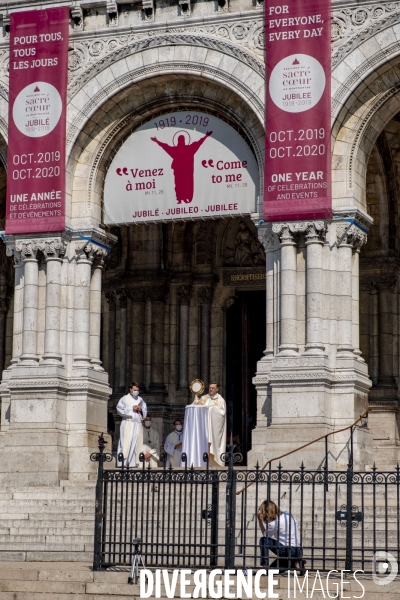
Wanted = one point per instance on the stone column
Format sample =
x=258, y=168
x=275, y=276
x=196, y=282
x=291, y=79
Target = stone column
x=314, y=288
x=53, y=251
x=110, y=297
x=386, y=289
x=28, y=250
x=345, y=291
x=184, y=293
x=356, y=304
x=95, y=309
x=266, y=237
x=4, y=306
x=122, y=351
x=349, y=237
x=82, y=305
x=18, y=303
x=205, y=301
x=288, y=332
x=147, y=341
x=137, y=341
x=374, y=336
x=157, y=385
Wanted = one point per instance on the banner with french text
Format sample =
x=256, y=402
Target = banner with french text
x=37, y=121
x=297, y=182
x=182, y=165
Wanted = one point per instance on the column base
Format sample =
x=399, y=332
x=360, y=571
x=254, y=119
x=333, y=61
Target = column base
x=51, y=359
x=32, y=359
x=288, y=350
x=347, y=350
x=96, y=363
x=314, y=350
x=157, y=388
x=83, y=362
x=56, y=421
x=303, y=398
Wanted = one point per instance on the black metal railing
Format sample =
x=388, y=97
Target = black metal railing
x=206, y=518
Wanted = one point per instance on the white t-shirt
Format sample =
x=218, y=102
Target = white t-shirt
x=285, y=529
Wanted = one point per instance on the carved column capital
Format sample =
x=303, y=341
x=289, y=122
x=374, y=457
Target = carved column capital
x=184, y=294
x=12, y=252
x=206, y=295
x=283, y=232
x=53, y=248
x=123, y=298
x=28, y=249
x=111, y=298
x=294, y=227
x=315, y=232
x=266, y=237
x=348, y=234
x=91, y=252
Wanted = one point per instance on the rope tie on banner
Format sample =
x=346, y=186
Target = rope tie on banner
x=305, y=446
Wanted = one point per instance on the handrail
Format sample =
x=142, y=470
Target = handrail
x=305, y=446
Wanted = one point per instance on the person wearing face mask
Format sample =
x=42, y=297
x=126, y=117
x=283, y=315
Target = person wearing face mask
x=173, y=445
x=132, y=408
x=149, y=443
x=216, y=423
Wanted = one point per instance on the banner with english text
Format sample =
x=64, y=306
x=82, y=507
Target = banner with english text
x=37, y=121
x=297, y=182
x=182, y=165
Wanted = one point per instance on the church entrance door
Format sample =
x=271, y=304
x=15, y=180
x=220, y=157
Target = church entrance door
x=245, y=344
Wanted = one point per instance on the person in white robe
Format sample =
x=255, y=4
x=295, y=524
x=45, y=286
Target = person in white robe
x=216, y=423
x=149, y=443
x=173, y=445
x=132, y=408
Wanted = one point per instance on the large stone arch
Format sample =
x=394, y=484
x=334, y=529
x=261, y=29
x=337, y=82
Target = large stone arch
x=365, y=97
x=148, y=76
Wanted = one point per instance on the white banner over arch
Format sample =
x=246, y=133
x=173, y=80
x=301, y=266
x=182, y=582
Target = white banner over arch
x=180, y=166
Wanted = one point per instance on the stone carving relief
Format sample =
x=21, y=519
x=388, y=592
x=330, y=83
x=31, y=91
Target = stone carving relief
x=247, y=250
x=286, y=231
x=204, y=243
x=347, y=233
x=90, y=252
x=206, y=295
x=184, y=294
x=351, y=26
x=266, y=238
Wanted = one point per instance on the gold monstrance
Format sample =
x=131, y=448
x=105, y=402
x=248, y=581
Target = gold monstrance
x=197, y=388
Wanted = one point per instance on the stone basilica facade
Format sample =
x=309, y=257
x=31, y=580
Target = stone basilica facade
x=298, y=321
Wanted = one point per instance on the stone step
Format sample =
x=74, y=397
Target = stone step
x=85, y=521
x=85, y=530
x=66, y=596
x=59, y=495
x=52, y=503
x=67, y=539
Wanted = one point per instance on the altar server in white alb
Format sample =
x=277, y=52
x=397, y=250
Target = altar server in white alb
x=132, y=409
x=173, y=445
x=149, y=443
x=216, y=423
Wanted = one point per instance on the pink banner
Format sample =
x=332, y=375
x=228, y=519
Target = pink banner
x=297, y=182
x=37, y=121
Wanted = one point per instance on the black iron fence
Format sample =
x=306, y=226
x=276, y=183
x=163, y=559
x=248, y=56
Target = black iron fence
x=207, y=518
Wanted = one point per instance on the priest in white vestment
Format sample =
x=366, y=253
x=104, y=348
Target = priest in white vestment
x=132, y=408
x=149, y=443
x=216, y=423
x=173, y=445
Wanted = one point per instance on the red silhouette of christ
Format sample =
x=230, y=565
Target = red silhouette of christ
x=183, y=165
